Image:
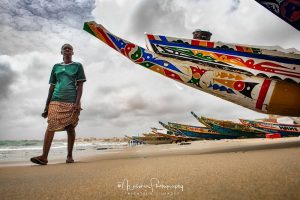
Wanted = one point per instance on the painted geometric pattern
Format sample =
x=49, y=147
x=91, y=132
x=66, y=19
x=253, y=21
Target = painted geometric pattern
x=247, y=91
x=271, y=50
x=228, y=58
x=205, y=43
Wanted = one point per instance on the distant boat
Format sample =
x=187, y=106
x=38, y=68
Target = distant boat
x=156, y=137
x=230, y=128
x=200, y=132
x=177, y=132
x=260, y=79
x=175, y=138
x=153, y=139
x=284, y=129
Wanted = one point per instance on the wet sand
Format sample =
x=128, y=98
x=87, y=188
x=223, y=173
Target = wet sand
x=227, y=169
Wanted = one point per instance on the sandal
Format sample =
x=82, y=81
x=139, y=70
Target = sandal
x=38, y=161
x=70, y=160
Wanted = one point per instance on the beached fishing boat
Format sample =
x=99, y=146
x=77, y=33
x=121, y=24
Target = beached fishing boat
x=156, y=137
x=175, y=138
x=153, y=139
x=177, y=132
x=171, y=130
x=284, y=129
x=230, y=128
x=263, y=80
x=197, y=131
x=169, y=134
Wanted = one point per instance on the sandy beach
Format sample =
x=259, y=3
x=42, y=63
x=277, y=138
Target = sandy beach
x=226, y=169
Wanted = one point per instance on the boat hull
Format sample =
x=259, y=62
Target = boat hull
x=230, y=128
x=232, y=57
x=259, y=94
x=232, y=132
x=286, y=130
x=200, y=132
x=153, y=139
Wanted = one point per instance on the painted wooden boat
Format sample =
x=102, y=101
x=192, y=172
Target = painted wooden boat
x=172, y=130
x=153, y=139
x=252, y=61
x=201, y=132
x=257, y=93
x=156, y=137
x=287, y=10
x=175, y=138
x=177, y=132
x=171, y=135
x=284, y=129
x=230, y=128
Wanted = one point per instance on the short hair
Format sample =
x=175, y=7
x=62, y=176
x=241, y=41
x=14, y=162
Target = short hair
x=197, y=30
x=66, y=45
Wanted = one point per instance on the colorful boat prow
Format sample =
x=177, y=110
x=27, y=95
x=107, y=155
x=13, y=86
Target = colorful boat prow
x=214, y=77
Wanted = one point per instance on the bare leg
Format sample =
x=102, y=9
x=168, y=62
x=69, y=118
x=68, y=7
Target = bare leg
x=71, y=140
x=47, y=144
x=46, y=148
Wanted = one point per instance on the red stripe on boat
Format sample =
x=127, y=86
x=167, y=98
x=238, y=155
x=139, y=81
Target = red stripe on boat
x=172, y=75
x=195, y=42
x=239, y=48
x=151, y=37
x=107, y=39
x=210, y=44
x=263, y=93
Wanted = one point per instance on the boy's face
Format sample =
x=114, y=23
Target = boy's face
x=201, y=35
x=67, y=50
x=196, y=35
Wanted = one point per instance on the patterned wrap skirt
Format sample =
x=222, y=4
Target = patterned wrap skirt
x=61, y=115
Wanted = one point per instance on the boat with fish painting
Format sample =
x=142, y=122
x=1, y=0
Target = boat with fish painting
x=263, y=80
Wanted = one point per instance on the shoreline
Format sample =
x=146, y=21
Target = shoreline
x=195, y=147
x=20, y=155
x=239, y=169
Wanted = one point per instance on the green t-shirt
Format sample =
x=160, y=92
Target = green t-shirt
x=65, y=78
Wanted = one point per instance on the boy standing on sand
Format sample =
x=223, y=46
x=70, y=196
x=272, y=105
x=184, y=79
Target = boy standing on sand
x=63, y=103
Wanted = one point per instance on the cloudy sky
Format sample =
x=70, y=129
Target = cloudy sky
x=119, y=97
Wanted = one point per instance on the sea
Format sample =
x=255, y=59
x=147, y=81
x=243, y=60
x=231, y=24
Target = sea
x=19, y=152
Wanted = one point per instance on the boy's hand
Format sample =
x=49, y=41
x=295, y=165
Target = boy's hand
x=45, y=114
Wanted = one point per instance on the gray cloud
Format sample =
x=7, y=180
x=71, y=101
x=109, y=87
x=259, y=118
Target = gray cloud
x=7, y=77
x=150, y=20
x=116, y=104
x=28, y=15
x=234, y=6
x=39, y=25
